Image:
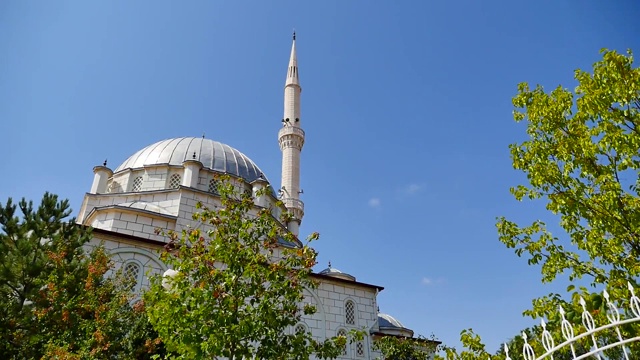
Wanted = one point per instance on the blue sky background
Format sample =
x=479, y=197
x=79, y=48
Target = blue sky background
x=406, y=106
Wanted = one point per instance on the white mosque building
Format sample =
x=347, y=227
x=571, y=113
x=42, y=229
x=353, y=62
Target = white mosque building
x=159, y=186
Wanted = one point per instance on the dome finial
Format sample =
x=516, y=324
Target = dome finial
x=294, y=34
x=104, y=163
x=329, y=264
x=194, y=155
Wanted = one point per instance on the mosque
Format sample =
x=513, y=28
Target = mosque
x=159, y=186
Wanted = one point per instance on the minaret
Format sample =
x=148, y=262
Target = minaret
x=291, y=139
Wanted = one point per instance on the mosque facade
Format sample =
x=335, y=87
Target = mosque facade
x=160, y=185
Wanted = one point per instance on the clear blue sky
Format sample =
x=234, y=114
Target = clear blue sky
x=406, y=106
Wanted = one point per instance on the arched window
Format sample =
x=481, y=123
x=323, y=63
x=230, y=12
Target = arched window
x=360, y=349
x=132, y=272
x=137, y=184
x=213, y=186
x=350, y=312
x=300, y=329
x=343, y=332
x=174, y=181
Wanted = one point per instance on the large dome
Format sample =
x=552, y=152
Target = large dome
x=212, y=154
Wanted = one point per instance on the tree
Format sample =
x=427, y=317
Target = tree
x=404, y=348
x=57, y=301
x=236, y=289
x=582, y=159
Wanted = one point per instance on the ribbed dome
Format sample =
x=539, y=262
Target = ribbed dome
x=390, y=325
x=212, y=154
x=386, y=320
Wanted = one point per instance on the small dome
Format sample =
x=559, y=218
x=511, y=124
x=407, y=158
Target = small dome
x=337, y=273
x=386, y=320
x=213, y=155
x=390, y=325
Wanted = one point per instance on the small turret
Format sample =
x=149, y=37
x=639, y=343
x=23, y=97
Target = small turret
x=101, y=175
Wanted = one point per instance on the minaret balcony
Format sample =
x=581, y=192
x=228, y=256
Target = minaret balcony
x=293, y=203
x=295, y=207
x=290, y=130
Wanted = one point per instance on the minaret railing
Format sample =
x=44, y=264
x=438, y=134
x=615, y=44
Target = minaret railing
x=591, y=333
x=287, y=130
x=293, y=203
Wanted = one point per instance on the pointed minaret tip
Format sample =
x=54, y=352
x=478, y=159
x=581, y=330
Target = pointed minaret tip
x=292, y=71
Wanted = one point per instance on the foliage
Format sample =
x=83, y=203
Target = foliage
x=403, y=348
x=474, y=348
x=236, y=291
x=582, y=159
x=56, y=299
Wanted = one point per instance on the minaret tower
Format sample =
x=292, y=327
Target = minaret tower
x=291, y=139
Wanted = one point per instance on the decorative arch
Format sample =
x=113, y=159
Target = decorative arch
x=146, y=257
x=146, y=260
x=320, y=309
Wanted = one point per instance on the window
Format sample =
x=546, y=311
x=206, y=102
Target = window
x=131, y=275
x=213, y=186
x=360, y=349
x=350, y=312
x=300, y=329
x=137, y=184
x=343, y=332
x=174, y=181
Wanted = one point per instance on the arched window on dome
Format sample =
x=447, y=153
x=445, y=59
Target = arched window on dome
x=174, y=181
x=213, y=186
x=132, y=272
x=349, y=312
x=137, y=184
x=343, y=332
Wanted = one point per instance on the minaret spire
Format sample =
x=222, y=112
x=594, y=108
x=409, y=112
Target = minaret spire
x=291, y=139
x=292, y=74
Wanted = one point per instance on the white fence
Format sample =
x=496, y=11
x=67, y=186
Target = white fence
x=591, y=334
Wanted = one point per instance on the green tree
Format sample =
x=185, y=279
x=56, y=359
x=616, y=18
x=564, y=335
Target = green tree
x=404, y=348
x=56, y=299
x=236, y=289
x=582, y=159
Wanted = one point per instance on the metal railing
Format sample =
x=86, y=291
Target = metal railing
x=591, y=333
